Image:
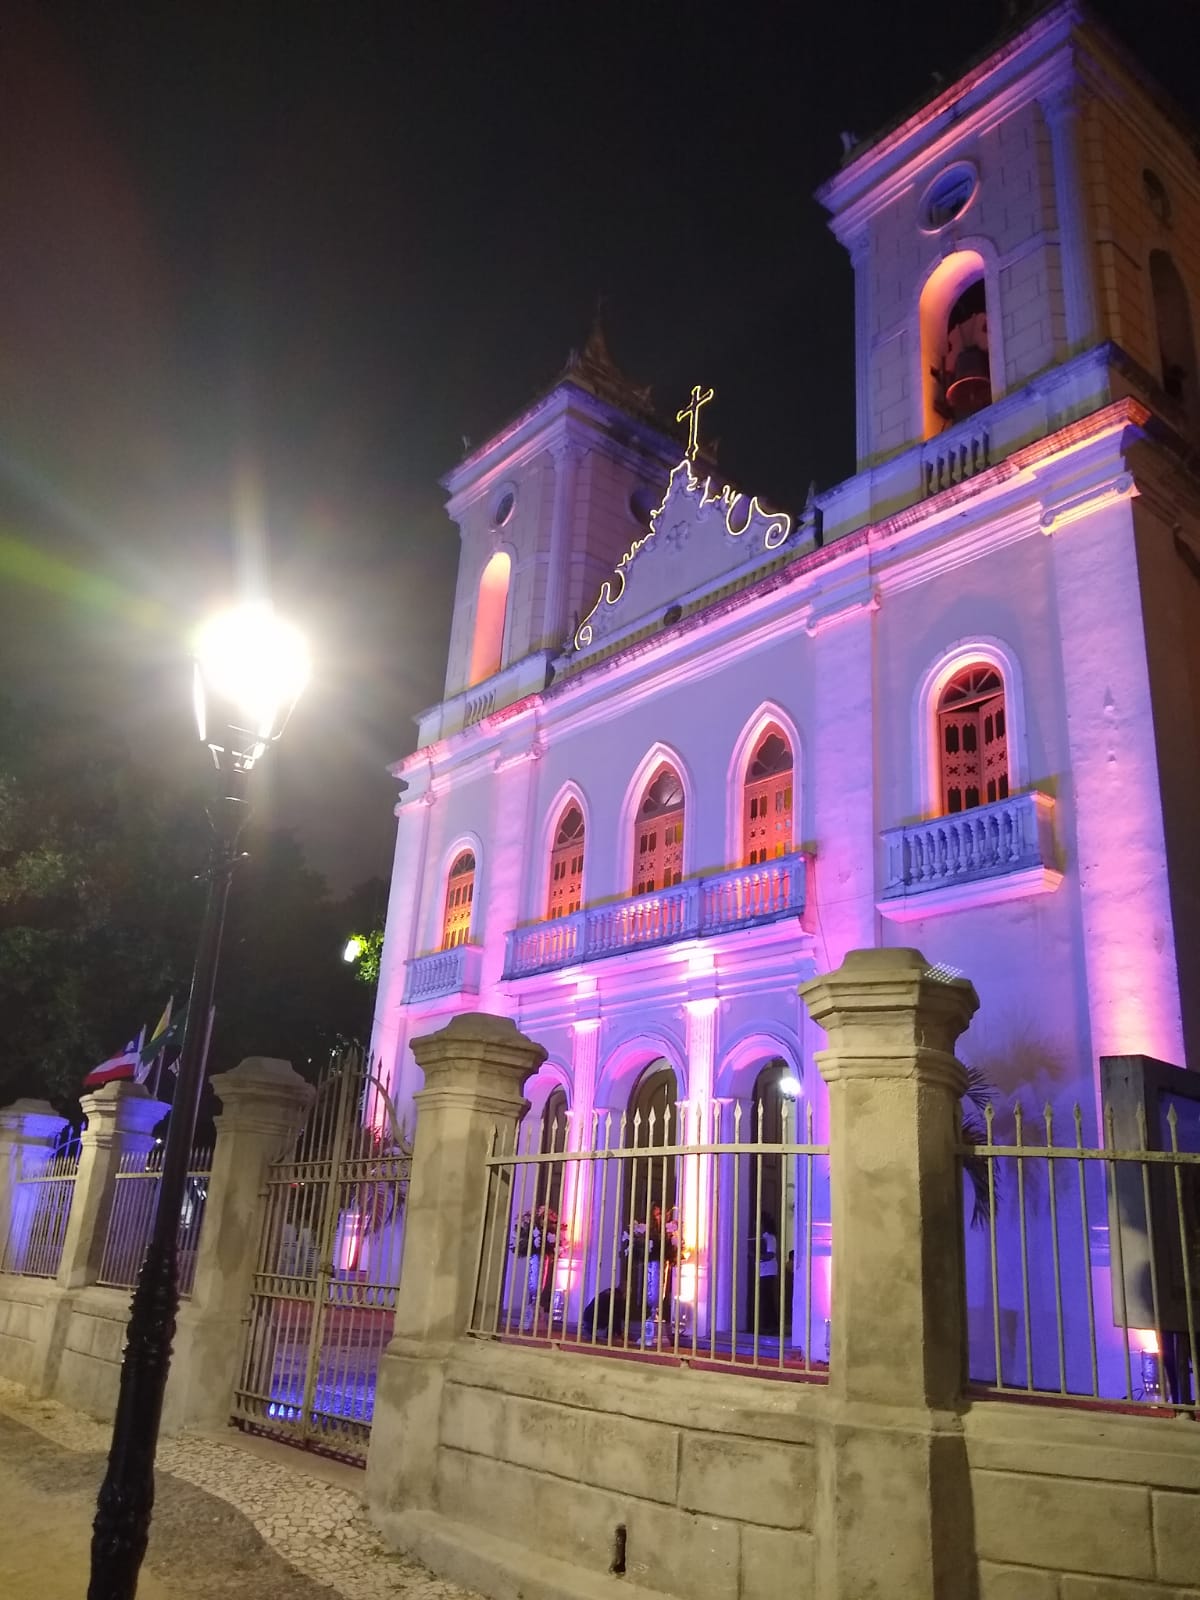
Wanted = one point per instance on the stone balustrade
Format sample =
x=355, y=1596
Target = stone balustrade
x=442, y=972
x=1005, y=839
x=954, y=456
x=745, y=897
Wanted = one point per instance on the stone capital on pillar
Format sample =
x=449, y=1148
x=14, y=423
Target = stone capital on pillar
x=476, y=1062
x=475, y=1072
x=121, y=1118
x=1063, y=103
x=887, y=1015
x=28, y=1132
x=263, y=1106
x=121, y=1111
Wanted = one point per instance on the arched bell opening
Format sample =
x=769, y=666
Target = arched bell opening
x=955, y=345
x=1173, y=327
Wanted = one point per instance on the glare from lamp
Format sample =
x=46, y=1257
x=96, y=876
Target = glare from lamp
x=354, y=948
x=255, y=663
x=790, y=1086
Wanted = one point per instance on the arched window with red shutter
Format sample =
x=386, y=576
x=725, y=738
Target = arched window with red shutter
x=658, y=833
x=566, y=864
x=767, y=806
x=972, y=739
x=460, y=895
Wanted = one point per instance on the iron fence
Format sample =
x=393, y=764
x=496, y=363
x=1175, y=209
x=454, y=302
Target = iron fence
x=1083, y=1267
x=135, y=1195
x=324, y=1296
x=40, y=1212
x=699, y=1237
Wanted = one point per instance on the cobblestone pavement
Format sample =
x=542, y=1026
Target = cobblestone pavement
x=230, y=1518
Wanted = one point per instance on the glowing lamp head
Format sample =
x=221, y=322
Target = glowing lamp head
x=354, y=948
x=251, y=667
x=790, y=1086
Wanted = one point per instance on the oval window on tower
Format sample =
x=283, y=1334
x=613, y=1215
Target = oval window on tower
x=948, y=196
x=503, y=509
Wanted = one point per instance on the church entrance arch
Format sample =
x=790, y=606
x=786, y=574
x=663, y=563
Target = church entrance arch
x=768, y=1200
x=651, y=1122
x=649, y=1257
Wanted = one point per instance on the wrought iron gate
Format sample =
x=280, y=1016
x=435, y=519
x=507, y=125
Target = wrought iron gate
x=327, y=1267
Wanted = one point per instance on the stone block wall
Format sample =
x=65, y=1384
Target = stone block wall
x=23, y=1303
x=1071, y=1505
x=712, y=1479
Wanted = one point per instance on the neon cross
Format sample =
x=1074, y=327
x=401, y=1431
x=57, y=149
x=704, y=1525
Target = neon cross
x=692, y=415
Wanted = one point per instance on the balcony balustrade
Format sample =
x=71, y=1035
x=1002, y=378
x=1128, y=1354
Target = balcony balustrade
x=743, y=898
x=977, y=857
x=442, y=972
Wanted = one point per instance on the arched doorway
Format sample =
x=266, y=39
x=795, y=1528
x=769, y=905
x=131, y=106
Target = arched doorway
x=768, y=1187
x=650, y=1233
x=553, y=1137
x=651, y=1122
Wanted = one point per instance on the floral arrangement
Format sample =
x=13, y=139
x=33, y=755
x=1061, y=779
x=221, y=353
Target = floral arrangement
x=644, y=1239
x=538, y=1232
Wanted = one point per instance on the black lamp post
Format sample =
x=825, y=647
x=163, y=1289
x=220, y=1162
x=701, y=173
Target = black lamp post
x=250, y=669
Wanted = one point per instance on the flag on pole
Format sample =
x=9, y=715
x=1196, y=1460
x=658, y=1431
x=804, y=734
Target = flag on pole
x=167, y=1033
x=119, y=1068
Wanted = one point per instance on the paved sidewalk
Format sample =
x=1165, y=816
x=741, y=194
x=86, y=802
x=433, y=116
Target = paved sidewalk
x=233, y=1517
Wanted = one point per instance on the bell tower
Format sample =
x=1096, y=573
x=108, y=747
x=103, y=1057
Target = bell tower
x=545, y=509
x=1032, y=211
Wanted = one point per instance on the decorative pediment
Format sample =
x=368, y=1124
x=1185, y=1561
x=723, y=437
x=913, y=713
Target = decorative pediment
x=699, y=537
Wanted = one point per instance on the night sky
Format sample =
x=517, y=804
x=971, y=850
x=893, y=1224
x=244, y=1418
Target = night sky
x=263, y=267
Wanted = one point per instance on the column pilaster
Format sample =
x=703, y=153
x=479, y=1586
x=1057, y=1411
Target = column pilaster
x=567, y=455
x=1062, y=108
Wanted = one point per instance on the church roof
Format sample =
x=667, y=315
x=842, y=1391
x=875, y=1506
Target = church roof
x=1023, y=18
x=594, y=369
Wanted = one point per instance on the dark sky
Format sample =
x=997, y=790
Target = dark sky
x=262, y=266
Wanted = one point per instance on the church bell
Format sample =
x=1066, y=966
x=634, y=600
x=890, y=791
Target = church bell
x=970, y=386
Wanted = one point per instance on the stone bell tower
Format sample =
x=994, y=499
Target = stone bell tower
x=1045, y=203
x=545, y=509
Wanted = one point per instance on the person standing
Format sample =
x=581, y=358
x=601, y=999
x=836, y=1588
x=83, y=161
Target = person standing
x=768, y=1277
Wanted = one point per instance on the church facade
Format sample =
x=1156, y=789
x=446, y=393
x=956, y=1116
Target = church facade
x=693, y=749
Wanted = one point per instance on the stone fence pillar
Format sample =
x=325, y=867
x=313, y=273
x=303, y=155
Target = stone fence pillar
x=120, y=1118
x=26, y=1127
x=898, y=1353
x=475, y=1072
x=263, y=1106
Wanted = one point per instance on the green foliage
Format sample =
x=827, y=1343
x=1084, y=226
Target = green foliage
x=100, y=904
x=97, y=900
x=365, y=965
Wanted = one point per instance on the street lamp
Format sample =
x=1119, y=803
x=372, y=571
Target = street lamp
x=250, y=668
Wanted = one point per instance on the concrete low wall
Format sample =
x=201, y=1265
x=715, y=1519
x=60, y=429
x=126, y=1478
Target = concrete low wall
x=64, y=1344
x=26, y=1307
x=543, y=1455
x=713, y=1479
x=89, y=1364
x=1078, y=1505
